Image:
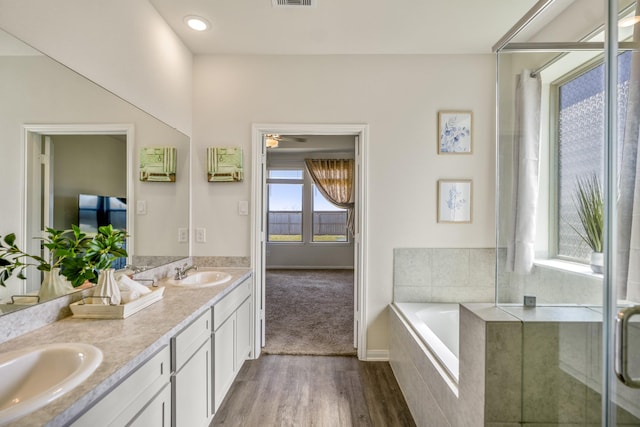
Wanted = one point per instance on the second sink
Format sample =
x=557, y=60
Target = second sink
x=202, y=279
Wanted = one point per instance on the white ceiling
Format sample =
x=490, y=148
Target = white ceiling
x=345, y=26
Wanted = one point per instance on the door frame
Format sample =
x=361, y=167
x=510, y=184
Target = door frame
x=258, y=214
x=32, y=132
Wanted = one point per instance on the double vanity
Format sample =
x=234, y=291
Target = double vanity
x=170, y=364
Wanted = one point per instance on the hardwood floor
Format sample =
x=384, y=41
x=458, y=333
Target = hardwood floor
x=278, y=390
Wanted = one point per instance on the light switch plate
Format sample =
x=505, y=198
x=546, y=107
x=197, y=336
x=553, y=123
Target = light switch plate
x=141, y=207
x=243, y=207
x=201, y=235
x=183, y=235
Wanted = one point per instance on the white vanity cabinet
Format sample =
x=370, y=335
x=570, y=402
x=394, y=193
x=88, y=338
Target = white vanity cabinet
x=192, y=374
x=142, y=399
x=185, y=382
x=232, y=338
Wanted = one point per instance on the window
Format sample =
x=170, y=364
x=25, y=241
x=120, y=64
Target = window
x=284, y=223
x=329, y=221
x=298, y=212
x=579, y=146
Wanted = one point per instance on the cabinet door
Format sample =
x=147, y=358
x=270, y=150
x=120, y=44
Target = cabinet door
x=192, y=390
x=157, y=413
x=224, y=359
x=243, y=333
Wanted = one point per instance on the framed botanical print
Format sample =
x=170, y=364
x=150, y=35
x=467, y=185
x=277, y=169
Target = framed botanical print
x=454, y=200
x=455, y=133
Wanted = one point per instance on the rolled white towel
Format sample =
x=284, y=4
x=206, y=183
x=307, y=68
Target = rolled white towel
x=128, y=296
x=127, y=284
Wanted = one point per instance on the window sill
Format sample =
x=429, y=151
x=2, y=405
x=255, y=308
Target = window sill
x=567, y=267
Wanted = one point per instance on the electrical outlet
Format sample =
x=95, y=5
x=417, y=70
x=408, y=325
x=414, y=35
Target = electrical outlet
x=201, y=235
x=183, y=235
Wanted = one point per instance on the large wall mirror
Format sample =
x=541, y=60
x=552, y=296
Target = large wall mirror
x=64, y=138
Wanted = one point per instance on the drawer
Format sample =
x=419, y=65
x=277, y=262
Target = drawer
x=129, y=397
x=189, y=340
x=230, y=303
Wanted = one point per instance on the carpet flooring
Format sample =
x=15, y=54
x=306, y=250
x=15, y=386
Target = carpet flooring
x=309, y=312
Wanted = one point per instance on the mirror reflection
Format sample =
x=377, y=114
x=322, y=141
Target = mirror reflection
x=67, y=143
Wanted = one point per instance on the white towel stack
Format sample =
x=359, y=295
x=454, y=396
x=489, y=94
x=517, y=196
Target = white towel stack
x=130, y=290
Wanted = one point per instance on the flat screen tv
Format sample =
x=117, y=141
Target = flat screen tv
x=95, y=211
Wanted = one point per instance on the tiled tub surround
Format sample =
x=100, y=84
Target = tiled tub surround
x=444, y=275
x=551, y=284
x=469, y=275
x=487, y=392
x=125, y=343
x=537, y=366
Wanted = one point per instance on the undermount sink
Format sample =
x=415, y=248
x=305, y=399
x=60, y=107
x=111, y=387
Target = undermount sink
x=35, y=376
x=202, y=279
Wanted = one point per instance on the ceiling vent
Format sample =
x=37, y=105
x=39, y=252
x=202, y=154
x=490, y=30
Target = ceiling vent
x=294, y=3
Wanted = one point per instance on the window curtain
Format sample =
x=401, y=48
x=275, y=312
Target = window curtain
x=525, y=171
x=334, y=179
x=628, y=203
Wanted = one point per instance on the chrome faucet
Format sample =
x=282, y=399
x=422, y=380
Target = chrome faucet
x=181, y=272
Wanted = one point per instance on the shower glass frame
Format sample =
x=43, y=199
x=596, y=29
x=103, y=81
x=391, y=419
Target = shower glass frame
x=598, y=310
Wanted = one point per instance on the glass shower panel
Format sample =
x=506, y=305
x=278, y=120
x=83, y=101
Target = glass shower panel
x=589, y=117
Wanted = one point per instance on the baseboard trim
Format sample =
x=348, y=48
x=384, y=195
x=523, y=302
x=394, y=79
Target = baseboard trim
x=377, y=355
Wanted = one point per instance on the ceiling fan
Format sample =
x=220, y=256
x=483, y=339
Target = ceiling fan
x=272, y=140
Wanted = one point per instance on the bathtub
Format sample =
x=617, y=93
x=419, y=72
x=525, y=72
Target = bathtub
x=437, y=326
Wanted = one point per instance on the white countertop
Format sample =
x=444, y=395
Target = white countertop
x=125, y=343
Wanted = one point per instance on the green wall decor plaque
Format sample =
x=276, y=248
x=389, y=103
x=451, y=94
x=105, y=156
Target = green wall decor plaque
x=158, y=164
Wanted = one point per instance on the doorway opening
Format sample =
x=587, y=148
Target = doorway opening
x=75, y=174
x=281, y=255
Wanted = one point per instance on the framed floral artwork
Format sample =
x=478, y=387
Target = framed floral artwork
x=455, y=133
x=454, y=200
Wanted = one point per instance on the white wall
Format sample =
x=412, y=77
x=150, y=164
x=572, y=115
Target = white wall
x=124, y=46
x=399, y=97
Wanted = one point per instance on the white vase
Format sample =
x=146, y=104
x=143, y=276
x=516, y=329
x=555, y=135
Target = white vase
x=596, y=262
x=107, y=291
x=54, y=285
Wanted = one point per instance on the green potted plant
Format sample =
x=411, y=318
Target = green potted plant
x=589, y=205
x=63, y=269
x=105, y=247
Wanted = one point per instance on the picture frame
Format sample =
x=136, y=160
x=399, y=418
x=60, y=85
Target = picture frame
x=455, y=200
x=224, y=164
x=455, y=132
x=158, y=164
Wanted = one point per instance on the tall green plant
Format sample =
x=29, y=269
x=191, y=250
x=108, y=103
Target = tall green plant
x=66, y=248
x=588, y=203
x=77, y=255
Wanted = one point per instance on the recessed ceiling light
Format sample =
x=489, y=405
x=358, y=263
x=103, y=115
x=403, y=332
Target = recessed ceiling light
x=196, y=23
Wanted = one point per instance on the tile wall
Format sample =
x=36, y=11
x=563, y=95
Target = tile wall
x=469, y=275
x=444, y=275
